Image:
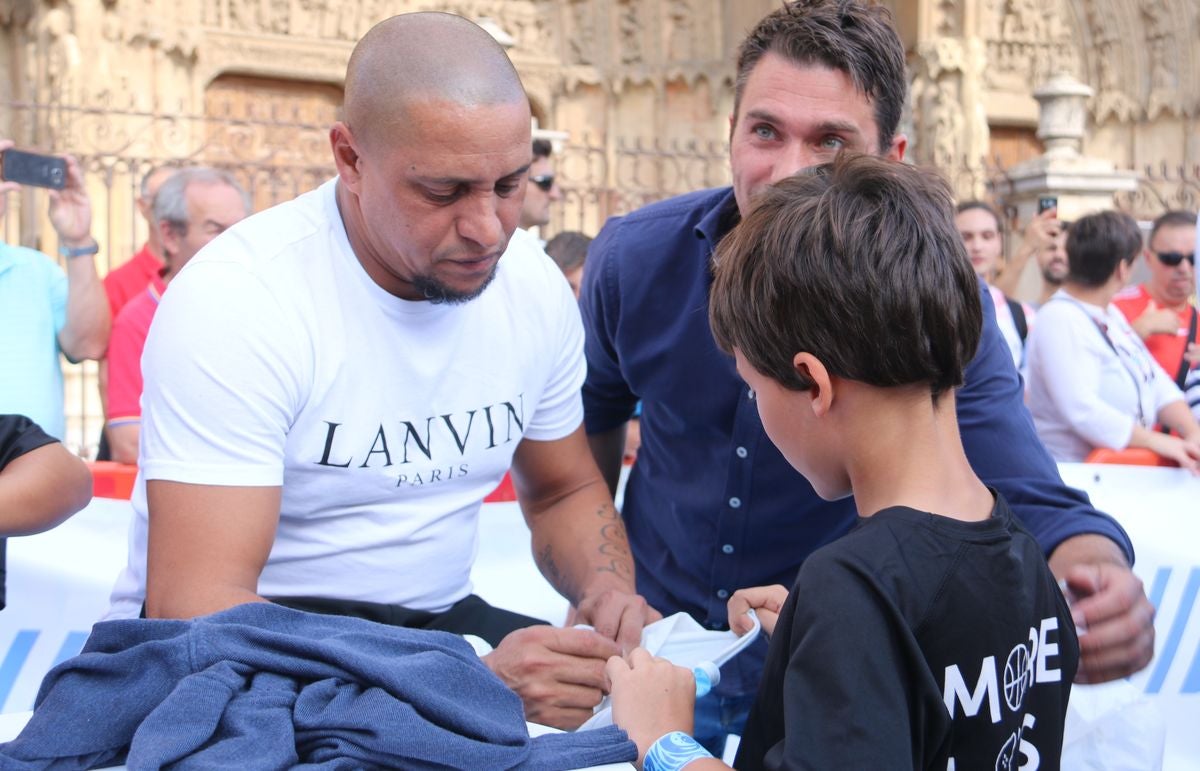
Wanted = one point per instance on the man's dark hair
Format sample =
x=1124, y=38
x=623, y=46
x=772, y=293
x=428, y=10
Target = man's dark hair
x=1097, y=243
x=541, y=148
x=568, y=249
x=846, y=35
x=981, y=206
x=1175, y=218
x=857, y=262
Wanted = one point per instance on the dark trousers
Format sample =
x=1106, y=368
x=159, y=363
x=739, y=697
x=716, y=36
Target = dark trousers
x=470, y=615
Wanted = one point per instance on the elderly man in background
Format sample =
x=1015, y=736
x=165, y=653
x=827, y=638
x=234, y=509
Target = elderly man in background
x=192, y=207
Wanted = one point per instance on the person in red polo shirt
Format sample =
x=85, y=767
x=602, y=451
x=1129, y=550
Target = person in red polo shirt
x=1161, y=310
x=192, y=207
x=123, y=283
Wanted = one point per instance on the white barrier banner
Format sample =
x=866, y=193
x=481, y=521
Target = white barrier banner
x=58, y=585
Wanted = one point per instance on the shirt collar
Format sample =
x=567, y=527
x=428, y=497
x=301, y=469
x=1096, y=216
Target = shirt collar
x=719, y=220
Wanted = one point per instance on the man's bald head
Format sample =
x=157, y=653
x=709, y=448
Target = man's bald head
x=424, y=57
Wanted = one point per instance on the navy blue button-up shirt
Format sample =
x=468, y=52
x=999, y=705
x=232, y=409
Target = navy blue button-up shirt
x=711, y=505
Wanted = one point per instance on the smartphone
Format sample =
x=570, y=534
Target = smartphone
x=1047, y=202
x=33, y=169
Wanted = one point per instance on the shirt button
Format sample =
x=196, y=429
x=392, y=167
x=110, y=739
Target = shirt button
x=735, y=502
x=727, y=548
x=741, y=452
x=722, y=594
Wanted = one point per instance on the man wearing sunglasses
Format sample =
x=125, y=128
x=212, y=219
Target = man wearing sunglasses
x=542, y=189
x=1161, y=310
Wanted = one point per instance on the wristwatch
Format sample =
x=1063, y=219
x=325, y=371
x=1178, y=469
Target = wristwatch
x=79, y=251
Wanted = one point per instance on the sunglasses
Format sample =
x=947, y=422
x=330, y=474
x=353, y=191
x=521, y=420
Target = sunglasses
x=1171, y=259
x=543, y=181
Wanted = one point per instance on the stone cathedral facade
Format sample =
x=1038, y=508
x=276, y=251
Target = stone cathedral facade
x=635, y=93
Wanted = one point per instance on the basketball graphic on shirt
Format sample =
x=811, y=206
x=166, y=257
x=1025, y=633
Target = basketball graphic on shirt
x=1018, y=674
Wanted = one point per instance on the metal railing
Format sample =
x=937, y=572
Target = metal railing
x=278, y=154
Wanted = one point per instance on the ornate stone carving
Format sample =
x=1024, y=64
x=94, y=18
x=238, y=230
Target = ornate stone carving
x=1028, y=41
x=1163, y=53
x=681, y=30
x=581, y=32
x=948, y=117
x=1111, y=100
x=629, y=32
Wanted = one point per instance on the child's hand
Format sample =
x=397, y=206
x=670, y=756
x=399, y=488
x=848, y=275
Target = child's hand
x=650, y=697
x=764, y=600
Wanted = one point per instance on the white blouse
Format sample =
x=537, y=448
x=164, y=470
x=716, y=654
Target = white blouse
x=1091, y=379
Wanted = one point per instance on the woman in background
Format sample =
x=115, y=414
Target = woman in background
x=1092, y=382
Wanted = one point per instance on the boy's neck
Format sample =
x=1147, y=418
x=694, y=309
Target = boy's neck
x=905, y=450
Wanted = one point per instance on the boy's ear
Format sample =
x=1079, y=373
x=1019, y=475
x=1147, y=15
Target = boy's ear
x=810, y=368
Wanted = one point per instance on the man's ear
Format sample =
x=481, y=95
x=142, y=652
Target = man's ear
x=346, y=155
x=168, y=236
x=896, y=151
x=732, y=124
x=810, y=368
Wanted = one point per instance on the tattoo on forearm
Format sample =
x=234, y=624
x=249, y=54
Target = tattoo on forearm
x=614, y=546
x=553, y=574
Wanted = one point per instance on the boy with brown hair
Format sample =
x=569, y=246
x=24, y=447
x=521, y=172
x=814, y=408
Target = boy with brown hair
x=933, y=635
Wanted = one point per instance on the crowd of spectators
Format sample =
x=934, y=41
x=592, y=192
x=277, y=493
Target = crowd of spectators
x=1108, y=362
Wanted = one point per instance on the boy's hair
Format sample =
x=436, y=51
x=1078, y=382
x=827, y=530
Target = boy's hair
x=541, y=148
x=857, y=262
x=1097, y=243
x=848, y=35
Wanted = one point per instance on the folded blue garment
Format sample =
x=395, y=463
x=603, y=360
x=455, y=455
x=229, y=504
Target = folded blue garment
x=262, y=686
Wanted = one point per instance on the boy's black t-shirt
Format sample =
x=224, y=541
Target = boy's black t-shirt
x=18, y=435
x=913, y=640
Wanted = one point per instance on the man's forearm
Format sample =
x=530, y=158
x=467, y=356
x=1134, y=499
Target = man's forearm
x=85, y=333
x=1085, y=549
x=176, y=602
x=581, y=547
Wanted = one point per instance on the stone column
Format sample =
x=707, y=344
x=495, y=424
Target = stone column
x=1083, y=185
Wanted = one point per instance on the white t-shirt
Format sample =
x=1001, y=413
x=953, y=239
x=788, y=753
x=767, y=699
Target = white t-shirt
x=1008, y=328
x=1083, y=392
x=275, y=360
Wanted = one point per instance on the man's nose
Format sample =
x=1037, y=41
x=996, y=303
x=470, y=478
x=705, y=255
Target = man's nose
x=480, y=222
x=793, y=159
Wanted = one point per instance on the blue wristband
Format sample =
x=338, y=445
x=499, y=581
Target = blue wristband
x=672, y=752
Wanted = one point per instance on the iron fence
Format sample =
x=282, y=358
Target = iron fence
x=278, y=154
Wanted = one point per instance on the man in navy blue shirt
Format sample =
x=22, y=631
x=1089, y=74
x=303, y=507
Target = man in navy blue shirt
x=711, y=505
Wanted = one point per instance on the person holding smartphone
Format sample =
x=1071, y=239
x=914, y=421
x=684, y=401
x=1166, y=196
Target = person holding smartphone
x=44, y=310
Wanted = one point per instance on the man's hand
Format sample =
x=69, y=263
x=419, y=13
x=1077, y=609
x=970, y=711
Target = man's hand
x=765, y=601
x=1042, y=229
x=1109, y=606
x=617, y=616
x=558, y=673
x=1156, y=321
x=71, y=209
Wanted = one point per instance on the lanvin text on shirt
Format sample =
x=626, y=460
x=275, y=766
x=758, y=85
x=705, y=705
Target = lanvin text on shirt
x=431, y=448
